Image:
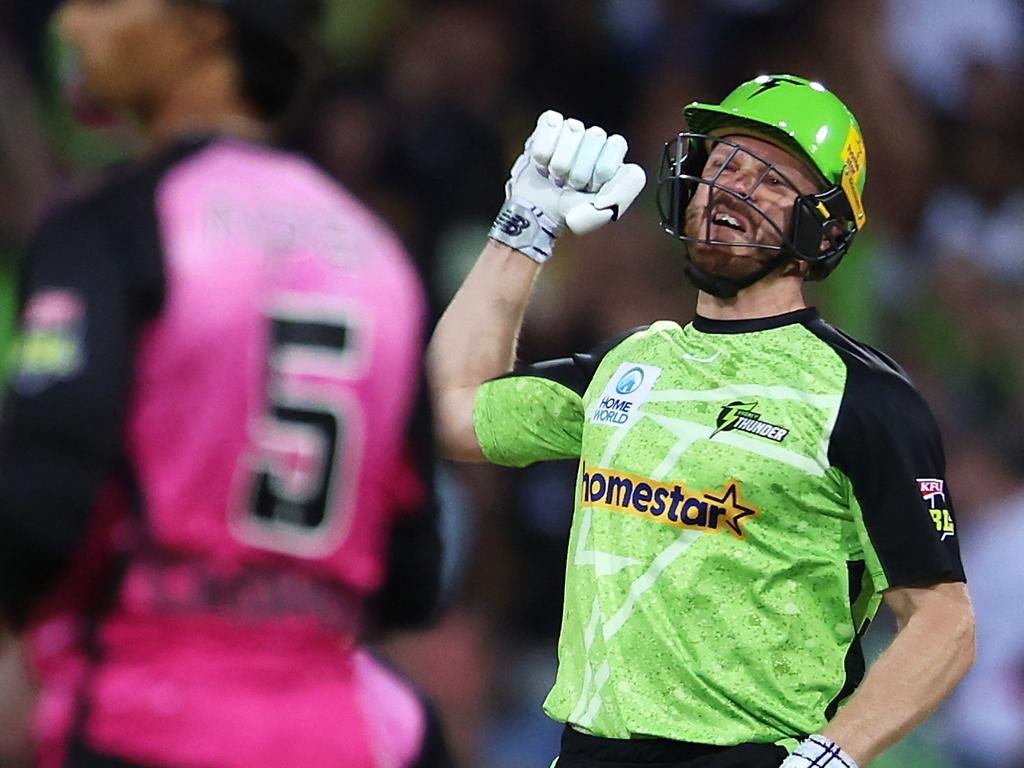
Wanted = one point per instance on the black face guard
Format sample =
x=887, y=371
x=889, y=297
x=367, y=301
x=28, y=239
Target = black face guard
x=824, y=218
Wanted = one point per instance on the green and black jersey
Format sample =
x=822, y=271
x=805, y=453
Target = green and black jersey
x=746, y=491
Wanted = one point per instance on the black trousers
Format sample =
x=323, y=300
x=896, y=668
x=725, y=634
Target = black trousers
x=582, y=751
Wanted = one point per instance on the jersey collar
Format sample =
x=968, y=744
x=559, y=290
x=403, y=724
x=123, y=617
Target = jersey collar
x=753, y=325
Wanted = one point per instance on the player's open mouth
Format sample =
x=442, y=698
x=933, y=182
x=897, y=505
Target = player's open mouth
x=725, y=219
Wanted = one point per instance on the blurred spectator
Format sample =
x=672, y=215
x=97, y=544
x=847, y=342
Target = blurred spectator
x=353, y=137
x=938, y=42
x=448, y=80
x=977, y=215
x=971, y=238
x=985, y=724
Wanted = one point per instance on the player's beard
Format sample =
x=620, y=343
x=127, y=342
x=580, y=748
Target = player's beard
x=735, y=263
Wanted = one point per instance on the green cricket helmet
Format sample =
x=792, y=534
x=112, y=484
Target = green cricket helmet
x=802, y=117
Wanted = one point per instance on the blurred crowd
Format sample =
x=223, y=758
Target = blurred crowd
x=421, y=110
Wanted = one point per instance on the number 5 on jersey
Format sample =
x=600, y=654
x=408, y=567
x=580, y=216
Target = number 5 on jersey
x=303, y=455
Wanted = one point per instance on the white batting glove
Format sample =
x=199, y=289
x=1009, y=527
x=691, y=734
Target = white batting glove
x=818, y=752
x=567, y=177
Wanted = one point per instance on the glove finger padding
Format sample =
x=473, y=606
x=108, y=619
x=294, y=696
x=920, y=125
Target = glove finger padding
x=612, y=155
x=565, y=151
x=582, y=172
x=590, y=212
x=541, y=144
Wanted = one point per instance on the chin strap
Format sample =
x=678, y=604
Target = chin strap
x=722, y=287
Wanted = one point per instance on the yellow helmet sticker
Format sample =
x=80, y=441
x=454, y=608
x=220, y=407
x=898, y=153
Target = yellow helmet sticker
x=854, y=159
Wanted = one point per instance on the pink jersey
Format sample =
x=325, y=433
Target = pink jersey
x=267, y=432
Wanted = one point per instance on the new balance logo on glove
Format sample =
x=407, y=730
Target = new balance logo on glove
x=511, y=224
x=568, y=177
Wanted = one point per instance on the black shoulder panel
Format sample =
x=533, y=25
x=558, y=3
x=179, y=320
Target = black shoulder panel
x=576, y=372
x=101, y=260
x=887, y=443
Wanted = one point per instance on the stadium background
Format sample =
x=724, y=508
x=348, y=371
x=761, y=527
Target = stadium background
x=421, y=113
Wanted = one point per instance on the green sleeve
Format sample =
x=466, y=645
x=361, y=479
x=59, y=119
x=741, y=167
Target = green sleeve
x=523, y=419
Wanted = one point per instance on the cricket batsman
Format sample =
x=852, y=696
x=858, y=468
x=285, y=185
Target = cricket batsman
x=751, y=486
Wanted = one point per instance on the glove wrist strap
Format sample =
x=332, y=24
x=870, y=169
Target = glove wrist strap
x=525, y=228
x=820, y=752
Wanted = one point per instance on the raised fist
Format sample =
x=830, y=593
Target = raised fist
x=570, y=177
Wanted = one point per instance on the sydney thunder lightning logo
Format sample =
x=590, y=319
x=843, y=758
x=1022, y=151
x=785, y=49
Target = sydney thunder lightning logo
x=744, y=417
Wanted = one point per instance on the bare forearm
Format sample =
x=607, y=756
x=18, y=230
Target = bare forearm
x=476, y=337
x=475, y=340
x=927, y=659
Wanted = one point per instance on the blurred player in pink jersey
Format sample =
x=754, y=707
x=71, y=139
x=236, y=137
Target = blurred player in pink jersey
x=214, y=467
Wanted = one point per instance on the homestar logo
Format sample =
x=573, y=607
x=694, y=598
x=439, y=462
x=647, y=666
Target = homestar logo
x=672, y=504
x=742, y=416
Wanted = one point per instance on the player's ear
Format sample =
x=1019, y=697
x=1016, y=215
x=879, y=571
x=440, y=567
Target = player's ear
x=795, y=268
x=205, y=28
x=831, y=235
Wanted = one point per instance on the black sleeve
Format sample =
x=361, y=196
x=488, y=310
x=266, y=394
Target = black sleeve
x=62, y=416
x=411, y=595
x=887, y=443
x=575, y=372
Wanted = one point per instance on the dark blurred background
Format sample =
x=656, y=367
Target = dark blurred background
x=423, y=109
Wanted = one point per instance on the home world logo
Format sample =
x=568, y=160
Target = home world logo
x=625, y=391
x=630, y=382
